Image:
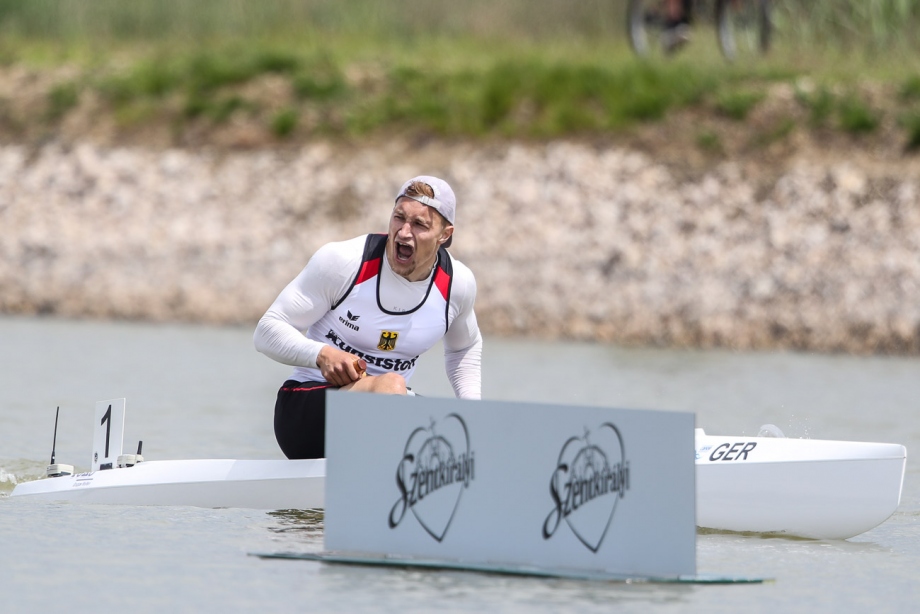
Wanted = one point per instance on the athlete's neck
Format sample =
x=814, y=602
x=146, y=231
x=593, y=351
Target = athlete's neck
x=413, y=278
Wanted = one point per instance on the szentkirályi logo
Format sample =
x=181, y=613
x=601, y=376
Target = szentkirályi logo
x=436, y=467
x=591, y=476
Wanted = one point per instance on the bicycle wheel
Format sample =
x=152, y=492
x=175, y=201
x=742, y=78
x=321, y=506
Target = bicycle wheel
x=644, y=26
x=743, y=27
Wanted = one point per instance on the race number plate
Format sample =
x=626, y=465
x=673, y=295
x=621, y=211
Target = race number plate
x=108, y=433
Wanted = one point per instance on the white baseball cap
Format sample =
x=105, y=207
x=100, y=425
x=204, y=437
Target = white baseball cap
x=444, y=201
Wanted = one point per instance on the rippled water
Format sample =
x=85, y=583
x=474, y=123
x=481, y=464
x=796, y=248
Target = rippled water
x=199, y=392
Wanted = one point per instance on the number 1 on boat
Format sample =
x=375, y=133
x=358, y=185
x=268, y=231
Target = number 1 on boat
x=108, y=433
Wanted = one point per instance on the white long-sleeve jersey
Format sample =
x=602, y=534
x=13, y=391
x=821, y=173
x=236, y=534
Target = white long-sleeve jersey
x=282, y=333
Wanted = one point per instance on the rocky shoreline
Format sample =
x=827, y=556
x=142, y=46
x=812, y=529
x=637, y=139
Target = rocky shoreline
x=567, y=240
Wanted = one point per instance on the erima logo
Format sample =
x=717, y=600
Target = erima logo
x=349, y=322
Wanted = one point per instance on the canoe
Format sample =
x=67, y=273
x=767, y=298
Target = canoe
x=212, y=483
x=766, y=484
x=803, y=487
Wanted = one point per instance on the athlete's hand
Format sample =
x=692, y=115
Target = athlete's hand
x=340, y=368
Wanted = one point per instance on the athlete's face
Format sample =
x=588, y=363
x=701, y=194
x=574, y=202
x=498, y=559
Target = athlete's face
x=416, y=232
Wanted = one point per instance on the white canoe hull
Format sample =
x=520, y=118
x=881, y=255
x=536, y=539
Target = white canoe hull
x=802, y=487
x=256, y=484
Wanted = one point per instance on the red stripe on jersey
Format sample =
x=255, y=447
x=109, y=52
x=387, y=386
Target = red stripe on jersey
x=306, y=389
x=442, y=281
x=369, y=270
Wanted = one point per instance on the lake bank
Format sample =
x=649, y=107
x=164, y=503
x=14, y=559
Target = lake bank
x=567, y=239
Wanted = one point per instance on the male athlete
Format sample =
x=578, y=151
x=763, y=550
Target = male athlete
x=370, y=307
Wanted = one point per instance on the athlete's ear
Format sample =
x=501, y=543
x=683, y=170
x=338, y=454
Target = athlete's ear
x=445, y=234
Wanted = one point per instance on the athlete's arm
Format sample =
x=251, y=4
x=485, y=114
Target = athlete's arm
x=463, y=341
x=279, y=334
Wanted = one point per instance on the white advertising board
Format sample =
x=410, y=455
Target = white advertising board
x=511, y=484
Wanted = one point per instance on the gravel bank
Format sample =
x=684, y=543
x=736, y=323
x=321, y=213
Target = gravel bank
x=566, y=240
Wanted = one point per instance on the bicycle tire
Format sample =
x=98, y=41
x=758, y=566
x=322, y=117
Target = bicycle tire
x=644, y=24
x=743, y=28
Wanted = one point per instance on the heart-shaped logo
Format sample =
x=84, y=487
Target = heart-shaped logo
x=436, y=466
x=591, y=476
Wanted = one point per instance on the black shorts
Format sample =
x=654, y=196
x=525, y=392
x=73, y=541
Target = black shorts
x=300, y=419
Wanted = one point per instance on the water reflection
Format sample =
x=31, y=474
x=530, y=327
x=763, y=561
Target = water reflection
x=305, y=524
x=794, y=541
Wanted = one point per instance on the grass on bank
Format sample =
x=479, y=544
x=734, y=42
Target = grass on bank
x=529, y=69
x=532, y=94
x=876, y=25
x=516, y=95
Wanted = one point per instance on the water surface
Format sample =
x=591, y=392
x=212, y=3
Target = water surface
x=203, y=392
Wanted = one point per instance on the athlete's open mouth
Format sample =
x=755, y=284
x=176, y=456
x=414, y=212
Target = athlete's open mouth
x=404, y=252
